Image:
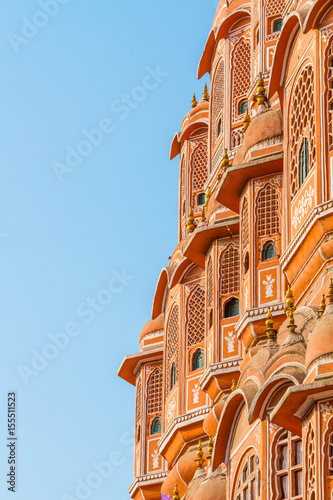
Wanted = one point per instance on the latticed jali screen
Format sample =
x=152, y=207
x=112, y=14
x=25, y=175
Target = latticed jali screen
x=173, y=341
x=199, y=167
x=268, y=212
x=330, y=94
x=230, y=270
x=138, y=399
x=302, y=116
x=245, y=225
x=218, y=100
x=155, y=392
x=274, y=8
x=209, y=282
x=241, y=74
x=196, y=317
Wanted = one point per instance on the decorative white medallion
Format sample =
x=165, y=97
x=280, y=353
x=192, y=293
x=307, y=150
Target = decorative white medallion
x=196, y=390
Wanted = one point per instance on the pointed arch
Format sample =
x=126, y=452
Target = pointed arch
x=173, y=344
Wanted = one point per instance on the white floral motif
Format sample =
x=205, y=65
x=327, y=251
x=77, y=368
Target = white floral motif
x=303, y=206
x=272, y=428
x=196, y=390
x=326, y=409
x=326, y=33
x=156, y=459
x=171, y=409
x=269, y=285
x=231, y=341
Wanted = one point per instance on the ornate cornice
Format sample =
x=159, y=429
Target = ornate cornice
x=146, y=480
x=182, y=421
x=316, y=213
x=219, y=368
x=251, y=315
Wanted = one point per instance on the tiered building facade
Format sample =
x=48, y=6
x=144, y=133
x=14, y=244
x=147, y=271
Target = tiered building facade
x=238, y=351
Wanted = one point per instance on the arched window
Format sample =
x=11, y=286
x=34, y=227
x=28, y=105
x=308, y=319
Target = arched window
x=243, y=106
x=199, y=167
x=198, y=360
x=328, y=451
x=269, y=250
x=173, y=375
x=245, y=233
x=310, y=462
x=287, y=466
x=196, y=317
x=154, y=393
x=201, y=199
x=173, y=345
x=241, y=75
x=217, y=103
x=330, y=93
x=277, y=26
x=138, y=434
x=138, y=399
x=231, y=308
x=209, y=282
x=302, y=122
x=268, y=212
x=248, y=481
x=230, y=270
x=210, y=318
x=183, y=212
x=156, y=426
x=303, y=160
x=246, y=262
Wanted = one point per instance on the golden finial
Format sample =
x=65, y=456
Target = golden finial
x=205, y=93
x=208, y=196
x=330, y=292
x=233, y=385
x=322, y=306
x=210, y=448
x=199, y=460
x=203, y=216
x=176, y=493
x=225, y=161
x=290, y=301
x=194, y=101
x=291, y=323
x=247, y=120
x=261, y=91
x=270, y=331
x=190, y=221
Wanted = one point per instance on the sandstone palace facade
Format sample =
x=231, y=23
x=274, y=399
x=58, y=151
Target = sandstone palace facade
x=234, y=373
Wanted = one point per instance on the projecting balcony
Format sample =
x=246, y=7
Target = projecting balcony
x=235, y=178
x=196, y=247
x=219, y=377
x=132, y=363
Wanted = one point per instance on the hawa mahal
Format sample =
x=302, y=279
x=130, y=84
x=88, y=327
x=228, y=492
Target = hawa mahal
x=234, y=373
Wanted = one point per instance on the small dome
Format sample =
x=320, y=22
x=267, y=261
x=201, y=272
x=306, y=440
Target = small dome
x=320, y=343
x=212, y=488
x=263, y=126
x=153, y=325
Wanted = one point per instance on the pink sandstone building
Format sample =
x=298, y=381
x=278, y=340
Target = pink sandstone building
x=234, y=373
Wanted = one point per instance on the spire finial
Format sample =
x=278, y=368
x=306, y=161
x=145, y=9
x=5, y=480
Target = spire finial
x=289, y=300
x=203, y=216
x=330, y=292
x=205, y=93
x=291, y=323
x=199, y=460
x=194, y=101
x=270, y=331
x=176, y=493
x=190, y=221
x=233, y=385
x=210, y=449
x=261, y=91
x=322, y=306
x=225, y=161
x=208, y=196
x=247, y=120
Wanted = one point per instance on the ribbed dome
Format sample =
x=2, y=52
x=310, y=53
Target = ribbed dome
x=212, y=488
x=320, y=344
x=263, y=126
x=153, y=325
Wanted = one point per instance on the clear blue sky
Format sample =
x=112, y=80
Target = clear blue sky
x=63, y=236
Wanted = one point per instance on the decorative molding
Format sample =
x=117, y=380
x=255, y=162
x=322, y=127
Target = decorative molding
x=146, y=480
x=257, y=313
x=265, y=144
x=303, y=206
x=219, y=368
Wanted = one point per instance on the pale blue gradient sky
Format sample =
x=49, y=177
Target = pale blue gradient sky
x=116, y=210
